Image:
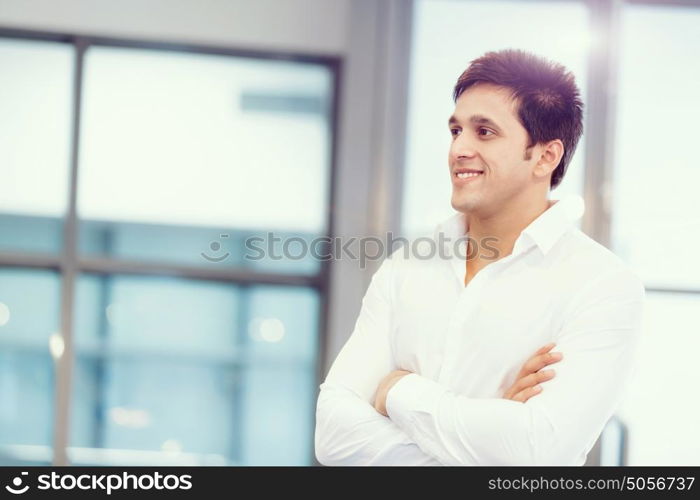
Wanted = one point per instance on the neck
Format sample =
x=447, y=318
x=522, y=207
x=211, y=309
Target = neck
x=505, y=225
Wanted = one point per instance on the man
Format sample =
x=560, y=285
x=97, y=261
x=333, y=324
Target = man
x=440, y=367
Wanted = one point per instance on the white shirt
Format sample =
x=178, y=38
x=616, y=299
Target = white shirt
x=465, y=345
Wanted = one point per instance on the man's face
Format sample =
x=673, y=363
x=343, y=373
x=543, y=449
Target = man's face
x=487, y=137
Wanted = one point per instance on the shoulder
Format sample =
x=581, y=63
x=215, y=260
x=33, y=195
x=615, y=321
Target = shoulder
x=598, y=271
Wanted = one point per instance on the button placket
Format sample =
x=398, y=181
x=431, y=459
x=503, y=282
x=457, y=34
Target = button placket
x=466, y=303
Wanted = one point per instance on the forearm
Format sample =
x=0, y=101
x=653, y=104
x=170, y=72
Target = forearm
x=465, y=431
x=349, y=431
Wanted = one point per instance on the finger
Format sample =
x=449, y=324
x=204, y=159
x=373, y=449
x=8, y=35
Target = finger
x=544, y=348
x=538, y=362
x=526, y=394
x=528, y=381
x=532, y=380
x=524, y=370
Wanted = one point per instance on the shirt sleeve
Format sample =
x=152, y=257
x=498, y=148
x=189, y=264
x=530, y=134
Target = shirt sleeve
x=559, y=426
x=349, y=431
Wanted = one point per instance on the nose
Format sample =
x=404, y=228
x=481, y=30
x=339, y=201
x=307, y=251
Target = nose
x=462, y=148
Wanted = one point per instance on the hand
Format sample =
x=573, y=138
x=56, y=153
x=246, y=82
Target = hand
x=383, y=389
x=526, y=383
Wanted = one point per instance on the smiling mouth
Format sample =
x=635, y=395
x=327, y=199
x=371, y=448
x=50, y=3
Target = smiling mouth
x=466, y=173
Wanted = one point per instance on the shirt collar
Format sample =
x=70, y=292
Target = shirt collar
x=544, y=231
x=551, y=225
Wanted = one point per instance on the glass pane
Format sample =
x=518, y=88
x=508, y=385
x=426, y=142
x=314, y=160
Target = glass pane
x=29, y=315
x=35, y=105
x=183, y=153
x=661, y=410
x=449, y=34
x=656, y=223
x=181, y=371
x=279, y=391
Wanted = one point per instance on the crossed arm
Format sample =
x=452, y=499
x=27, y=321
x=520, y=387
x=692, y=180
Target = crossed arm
x=349, y=431
x=425, y=423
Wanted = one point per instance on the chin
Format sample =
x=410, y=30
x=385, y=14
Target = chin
x=463, y=204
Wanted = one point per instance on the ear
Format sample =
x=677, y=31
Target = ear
x=550, y=156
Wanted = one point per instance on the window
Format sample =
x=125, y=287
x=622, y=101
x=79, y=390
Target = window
x=449, y=34
x=181, y=151
x=186, y=351
x=34, y=143
x=26, y=365
x=219, y=372
x=659, y=410
x=656, y=224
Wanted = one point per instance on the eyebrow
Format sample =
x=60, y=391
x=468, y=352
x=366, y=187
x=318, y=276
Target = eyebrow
x=476, y=120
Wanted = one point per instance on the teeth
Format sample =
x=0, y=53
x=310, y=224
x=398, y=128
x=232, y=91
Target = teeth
x=464, y=175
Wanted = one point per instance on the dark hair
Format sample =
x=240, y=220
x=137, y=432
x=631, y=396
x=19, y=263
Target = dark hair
x=548, y=100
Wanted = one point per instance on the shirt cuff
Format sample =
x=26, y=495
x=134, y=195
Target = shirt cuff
x=410, y=396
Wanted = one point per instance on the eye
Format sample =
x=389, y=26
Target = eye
x=482, y=129
x=455, y=131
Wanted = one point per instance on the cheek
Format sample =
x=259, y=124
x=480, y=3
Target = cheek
x=504, y=163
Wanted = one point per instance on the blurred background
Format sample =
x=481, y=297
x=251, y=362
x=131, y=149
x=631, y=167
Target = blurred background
x=142, y=142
